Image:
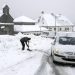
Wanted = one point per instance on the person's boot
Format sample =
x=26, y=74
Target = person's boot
x=29, y=49
x=23, y=48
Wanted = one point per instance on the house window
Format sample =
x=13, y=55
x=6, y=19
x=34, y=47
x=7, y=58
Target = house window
x=47, y=27
x=54, y=29
x=66, y=29
x=46, y=33
x=50, y=29
x=60, y=29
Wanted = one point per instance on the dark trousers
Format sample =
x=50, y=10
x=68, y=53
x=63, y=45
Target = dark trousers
x=23, y=45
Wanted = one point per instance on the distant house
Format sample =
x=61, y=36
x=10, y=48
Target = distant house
x=6, y=22
x=53, y=23
x=26, y=25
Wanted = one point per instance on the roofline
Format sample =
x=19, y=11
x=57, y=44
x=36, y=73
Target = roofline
x=24, y=23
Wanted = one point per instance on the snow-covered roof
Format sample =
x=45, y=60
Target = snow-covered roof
x=23, y=19
x=60, y=20
x=26, y=28
x=49, y=19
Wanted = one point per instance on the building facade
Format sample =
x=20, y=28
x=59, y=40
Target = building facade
x=6, y=22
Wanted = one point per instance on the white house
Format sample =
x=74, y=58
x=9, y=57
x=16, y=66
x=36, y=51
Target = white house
x=55, y=23
x=60, y=23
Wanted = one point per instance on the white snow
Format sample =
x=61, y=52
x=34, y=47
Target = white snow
x=44, y=29
x=74, y=28
x=62, y=20
x=23, y=19
x=49, y=19
x=26, y=28
x=14, y=61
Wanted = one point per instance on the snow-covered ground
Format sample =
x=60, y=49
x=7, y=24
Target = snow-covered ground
x=14, y=61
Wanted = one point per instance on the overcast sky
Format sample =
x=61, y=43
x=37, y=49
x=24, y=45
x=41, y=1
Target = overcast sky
x=33, y=8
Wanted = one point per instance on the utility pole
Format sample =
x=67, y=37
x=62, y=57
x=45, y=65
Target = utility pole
x=55, y=17
x=55, y=25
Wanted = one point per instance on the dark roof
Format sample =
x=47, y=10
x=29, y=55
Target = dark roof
x=6, y=18
x=6, y=6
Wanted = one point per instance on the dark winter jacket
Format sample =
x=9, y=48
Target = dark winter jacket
x=25, y=39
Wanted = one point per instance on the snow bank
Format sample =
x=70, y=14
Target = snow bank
x=14, y=61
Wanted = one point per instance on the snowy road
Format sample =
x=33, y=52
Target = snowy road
x=62, y=70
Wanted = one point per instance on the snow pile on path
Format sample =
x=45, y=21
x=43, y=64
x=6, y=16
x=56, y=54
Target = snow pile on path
x=38, y=42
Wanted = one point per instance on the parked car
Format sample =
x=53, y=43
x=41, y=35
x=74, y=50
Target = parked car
x=63, y=49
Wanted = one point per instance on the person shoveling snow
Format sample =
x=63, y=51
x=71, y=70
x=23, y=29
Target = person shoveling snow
x=25, y=40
